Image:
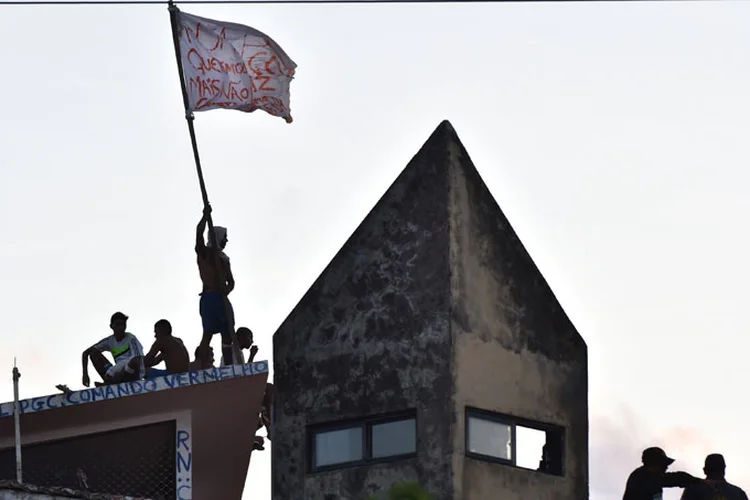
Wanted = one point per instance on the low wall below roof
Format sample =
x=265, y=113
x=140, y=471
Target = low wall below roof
x=215, y=415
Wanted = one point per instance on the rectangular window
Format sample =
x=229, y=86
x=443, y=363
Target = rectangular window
x=368, y=440
x=339, y=446
x=529, y=447
x=490, y=438
x=395, y=438
x=514, y=441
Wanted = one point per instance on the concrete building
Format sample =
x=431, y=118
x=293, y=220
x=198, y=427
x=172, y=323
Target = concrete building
x=431, y=349
x=175, y=437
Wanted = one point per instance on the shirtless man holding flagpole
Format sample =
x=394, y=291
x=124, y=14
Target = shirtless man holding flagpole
x=215, y=271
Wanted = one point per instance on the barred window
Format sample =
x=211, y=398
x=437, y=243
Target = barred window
x=135, y=461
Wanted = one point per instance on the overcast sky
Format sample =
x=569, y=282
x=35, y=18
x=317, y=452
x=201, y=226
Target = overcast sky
x=613, y=135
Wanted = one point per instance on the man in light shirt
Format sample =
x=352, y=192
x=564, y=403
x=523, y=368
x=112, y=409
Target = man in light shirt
x=126, y=351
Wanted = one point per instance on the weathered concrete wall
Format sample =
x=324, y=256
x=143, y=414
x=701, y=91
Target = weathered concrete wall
x=372, y=336
x=432, y=304
x=516, y=352
x=527, y=387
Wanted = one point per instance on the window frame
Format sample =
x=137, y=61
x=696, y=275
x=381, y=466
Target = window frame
x=549, y=429
x=330, y=428
x=366, y=424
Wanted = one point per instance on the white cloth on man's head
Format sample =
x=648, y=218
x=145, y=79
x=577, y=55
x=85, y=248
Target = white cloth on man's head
x=220, y=232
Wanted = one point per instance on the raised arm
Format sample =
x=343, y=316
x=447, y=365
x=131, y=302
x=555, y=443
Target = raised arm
x=200, y=243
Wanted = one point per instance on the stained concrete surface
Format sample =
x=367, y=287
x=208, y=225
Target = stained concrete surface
x=515, y=351
x=432, y=304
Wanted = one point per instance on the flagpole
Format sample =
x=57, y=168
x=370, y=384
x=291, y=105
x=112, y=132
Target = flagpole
x=17, y=422
x=191, y=127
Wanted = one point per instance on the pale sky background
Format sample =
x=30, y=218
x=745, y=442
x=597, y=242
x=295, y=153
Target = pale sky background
x=613, y=135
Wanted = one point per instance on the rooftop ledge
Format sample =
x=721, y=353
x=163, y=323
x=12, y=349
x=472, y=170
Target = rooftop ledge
x=126, y=389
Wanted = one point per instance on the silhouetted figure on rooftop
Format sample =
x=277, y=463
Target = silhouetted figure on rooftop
x=647, y=482
x=245, y=341
x=166, y=348
x=218, y=282
x=266, y=410
x=715, y=487
x=124, y=347
x=264, y=418
x=204, y=359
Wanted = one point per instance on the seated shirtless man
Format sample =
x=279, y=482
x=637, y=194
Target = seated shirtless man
x=166, y=348
x=124, y=347
x=204, y=359
x=216, y=274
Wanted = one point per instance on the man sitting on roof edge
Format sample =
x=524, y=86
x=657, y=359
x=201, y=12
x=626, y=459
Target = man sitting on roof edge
x=166, y=348
x=124, y=347
x=204, y=359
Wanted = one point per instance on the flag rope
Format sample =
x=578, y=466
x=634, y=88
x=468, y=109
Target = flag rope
x=190, y=118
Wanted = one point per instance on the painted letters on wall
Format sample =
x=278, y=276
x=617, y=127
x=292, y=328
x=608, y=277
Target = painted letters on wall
x=184, y=461
x=134, y=388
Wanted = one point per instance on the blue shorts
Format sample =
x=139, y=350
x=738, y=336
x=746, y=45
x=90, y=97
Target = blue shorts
x=214, y=315
x=155, y=372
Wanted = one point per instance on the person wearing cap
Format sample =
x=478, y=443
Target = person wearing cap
x=647, y=481
x=715, y=487
x=125, y=349
x=215, y=271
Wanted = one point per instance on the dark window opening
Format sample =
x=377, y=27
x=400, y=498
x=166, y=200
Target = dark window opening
x=514, y=441
x=374, y=439
x=133, y=461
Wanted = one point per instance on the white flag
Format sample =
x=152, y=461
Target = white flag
x=233, y=66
